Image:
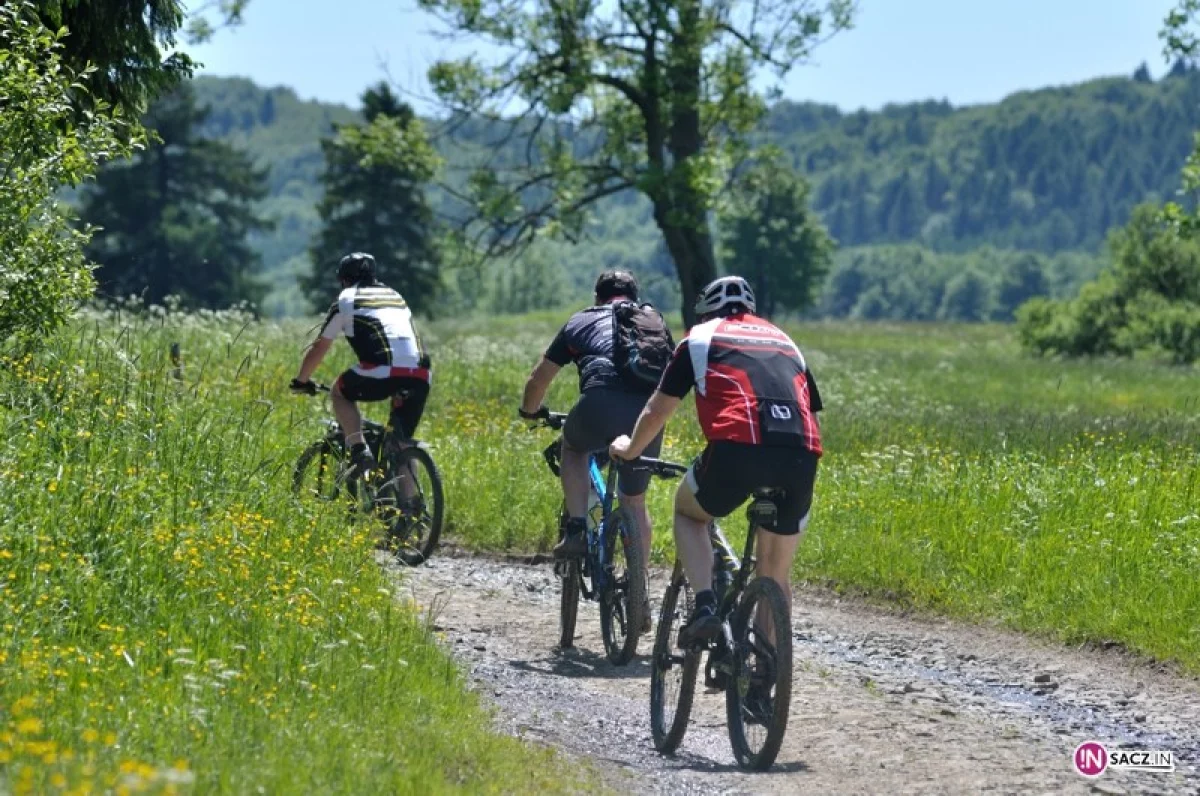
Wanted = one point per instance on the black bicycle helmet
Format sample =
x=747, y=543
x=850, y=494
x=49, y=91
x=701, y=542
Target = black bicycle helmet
x=357, y=267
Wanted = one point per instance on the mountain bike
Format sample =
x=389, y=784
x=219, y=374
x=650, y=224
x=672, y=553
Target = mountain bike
x=751, y=660
x=403, y=493
x=614, y=575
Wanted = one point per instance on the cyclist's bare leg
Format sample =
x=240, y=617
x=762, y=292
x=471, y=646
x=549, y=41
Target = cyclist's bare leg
x=348, y=416
x=573, y=470
x=641, y=518
x=775, y=554
x=691, y=538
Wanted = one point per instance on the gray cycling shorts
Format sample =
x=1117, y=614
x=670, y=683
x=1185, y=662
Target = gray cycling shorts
x=600, y=416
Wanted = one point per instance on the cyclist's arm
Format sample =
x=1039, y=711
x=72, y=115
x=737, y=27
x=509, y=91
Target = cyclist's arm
x=537, y=384
x=654, y=416
x=676, y=383
x=312, y=358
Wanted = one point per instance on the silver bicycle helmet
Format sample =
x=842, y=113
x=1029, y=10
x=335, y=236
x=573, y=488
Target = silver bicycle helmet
x=721, y=293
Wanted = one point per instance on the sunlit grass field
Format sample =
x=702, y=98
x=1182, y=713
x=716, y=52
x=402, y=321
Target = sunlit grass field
x=174, y=619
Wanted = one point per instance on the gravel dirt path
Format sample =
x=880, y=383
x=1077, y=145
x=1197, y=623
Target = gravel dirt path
x=881, y=703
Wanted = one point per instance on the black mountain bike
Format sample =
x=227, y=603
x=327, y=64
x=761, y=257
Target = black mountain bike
x=612, y=574
x=403, y=493
x=751, y=660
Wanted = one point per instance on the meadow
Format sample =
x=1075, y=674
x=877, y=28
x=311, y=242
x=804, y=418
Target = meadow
x=174, y=619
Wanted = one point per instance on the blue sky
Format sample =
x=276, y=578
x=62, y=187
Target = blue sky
x=966, y=51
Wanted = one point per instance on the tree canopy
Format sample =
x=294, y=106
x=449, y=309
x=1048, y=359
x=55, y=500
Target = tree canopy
x=43, y=272
x=175, y=218
x=771, y=237
x=132, y=43
x=374, y=201
x=652, y=95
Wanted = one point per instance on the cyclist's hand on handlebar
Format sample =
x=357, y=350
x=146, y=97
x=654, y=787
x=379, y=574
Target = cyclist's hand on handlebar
x=304, y=387
x=541, y=413
x=619, y=448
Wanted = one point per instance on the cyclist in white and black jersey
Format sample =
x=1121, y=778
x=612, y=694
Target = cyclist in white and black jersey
x=378, y=324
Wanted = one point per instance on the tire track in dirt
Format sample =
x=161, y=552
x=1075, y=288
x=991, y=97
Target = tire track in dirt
x=880, y=702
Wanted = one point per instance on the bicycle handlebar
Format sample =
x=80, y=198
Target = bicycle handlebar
x=316, y=388
x=548, y=419
x=657, y=467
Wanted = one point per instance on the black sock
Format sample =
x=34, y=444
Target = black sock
x=706, y=600
x=357, y=450
x=575, y=525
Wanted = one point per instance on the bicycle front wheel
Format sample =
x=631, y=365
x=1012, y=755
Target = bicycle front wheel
x=316, y=471
x=673, y=671
x=568, y=608
x=623, y=608
x=758, y=697
x=411, y=503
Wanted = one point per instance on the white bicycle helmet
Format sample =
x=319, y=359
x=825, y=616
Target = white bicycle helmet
x=720, y=293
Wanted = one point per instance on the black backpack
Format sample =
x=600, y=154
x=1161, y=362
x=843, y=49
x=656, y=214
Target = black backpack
x=642, y=344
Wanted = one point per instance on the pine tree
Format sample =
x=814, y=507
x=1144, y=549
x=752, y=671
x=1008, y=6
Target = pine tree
x=175, y=218
x=374, y=179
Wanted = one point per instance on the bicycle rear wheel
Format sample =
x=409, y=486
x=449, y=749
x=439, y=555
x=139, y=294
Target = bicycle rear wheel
x=758, y=697
x=410, y=501
x=673, y=671
x=623, y=601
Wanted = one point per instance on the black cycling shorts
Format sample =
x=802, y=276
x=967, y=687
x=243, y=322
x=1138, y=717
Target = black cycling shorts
x=406, y=412
x=726, y=473
x=600, y=416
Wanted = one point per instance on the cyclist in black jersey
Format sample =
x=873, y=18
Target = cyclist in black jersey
x=378, y=324
x=608, y=407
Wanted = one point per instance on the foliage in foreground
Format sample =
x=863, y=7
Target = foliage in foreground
x=171, y=618
x=43, y=273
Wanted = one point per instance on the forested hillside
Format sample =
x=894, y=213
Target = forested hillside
x=1049, y=170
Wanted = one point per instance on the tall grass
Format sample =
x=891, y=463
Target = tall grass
x=173, y=619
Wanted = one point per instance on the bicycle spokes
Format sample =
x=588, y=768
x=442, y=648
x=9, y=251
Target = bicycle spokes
x=758, y=700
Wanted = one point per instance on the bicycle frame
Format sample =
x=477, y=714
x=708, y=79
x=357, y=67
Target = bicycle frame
x=605, y=486
x=761, y=512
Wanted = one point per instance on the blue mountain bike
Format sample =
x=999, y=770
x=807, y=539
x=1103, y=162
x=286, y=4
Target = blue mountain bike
x=613, y=574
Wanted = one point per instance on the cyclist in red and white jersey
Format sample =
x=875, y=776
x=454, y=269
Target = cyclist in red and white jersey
x=756, y=401
x=378, y=324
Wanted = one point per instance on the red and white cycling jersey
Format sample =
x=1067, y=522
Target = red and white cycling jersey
x=752, y=383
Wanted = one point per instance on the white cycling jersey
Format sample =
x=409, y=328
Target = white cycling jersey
x=379, y=327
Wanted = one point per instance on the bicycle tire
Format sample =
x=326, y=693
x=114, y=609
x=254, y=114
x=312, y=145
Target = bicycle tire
x=409, y=550
x=568, y=609
x=666, y=729
x=326, y=469
x=623, y=603
x=766, y=593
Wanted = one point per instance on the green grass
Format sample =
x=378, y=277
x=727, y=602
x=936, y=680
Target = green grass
x=172, y=619
x=961, y=476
